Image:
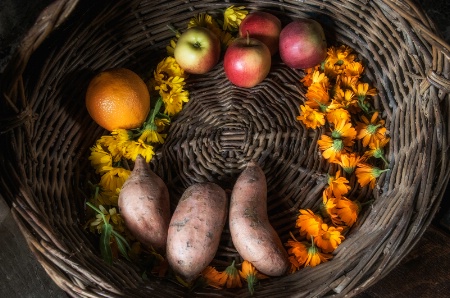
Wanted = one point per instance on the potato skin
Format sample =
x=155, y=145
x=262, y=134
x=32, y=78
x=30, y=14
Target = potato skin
x=195, y=229
x=145, y=207
x=252, y=234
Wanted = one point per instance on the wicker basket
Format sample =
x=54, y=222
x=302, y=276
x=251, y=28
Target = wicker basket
x=46, y=134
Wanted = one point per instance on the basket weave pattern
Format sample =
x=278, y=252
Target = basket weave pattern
x=46, y=134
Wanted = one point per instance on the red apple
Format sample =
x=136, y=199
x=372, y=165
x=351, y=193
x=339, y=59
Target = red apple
x=197, y=50
x=303, y=44
x=263, y=26
x=247, y=62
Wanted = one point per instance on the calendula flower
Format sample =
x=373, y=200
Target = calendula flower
x=328, y=206
x=337, y=115
x=307, y=79
x=341, y=55
x=317, y=97
x=353, y=69
x=347, y=211
x=370, y=131
x=308, y=223
x=362, y=91
x=169, y=75
x=151, y=135
x=315, y=257
x=173, y=101
x=233, y=16
x=343, y=130
x=226, y=38
x=329, y=238
x=331, y=148
x=298, y=253
x=377, y=149
x=233, y=277
x=100, y=159
x=162, y=123
x=114, y=178
x=170, y=49
x=249, y=273
x=310, y=117
x=116, y=143
x=338, y=185
x=367, y=174
x=139, y=147
x=111, y=217
x=348, y=161
x=214, y=278
x=106, y=198
x=347, y=83
x=320, y=78
x=345, y=97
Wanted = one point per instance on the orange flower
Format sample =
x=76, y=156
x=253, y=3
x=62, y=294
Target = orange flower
x=214, y=278
x=298, y=253
x=307, y=79
x=337, y=114
x=331, y=148
x=350, y=83
x=377, y=149
x=370, y=131
x=368, y=174
x=353, y=69
x=345, y=97
x=349, y=161
x=341, y=55
x=251, y=275
x=344, y=130
x=315, y=257
x=329, y=238
x=338, y=185
x=362, y=91
x=233, y=279
x=308, y=223
x=310, y=117
x=320, y=78
x=317, y=97
x=328, y=206
x=347, y=210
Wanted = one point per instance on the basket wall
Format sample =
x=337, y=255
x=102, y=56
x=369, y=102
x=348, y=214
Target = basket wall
x=47, y=133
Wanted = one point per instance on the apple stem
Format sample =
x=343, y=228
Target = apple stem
x=248, y=38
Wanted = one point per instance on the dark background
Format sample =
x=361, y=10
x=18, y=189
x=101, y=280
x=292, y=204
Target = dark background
x=425, y=272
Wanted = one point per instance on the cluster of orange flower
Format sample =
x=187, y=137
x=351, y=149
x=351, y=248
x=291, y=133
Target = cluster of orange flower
x=231, y=277
x=337, y=100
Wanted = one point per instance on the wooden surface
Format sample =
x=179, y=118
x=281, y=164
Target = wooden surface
x=425, y=272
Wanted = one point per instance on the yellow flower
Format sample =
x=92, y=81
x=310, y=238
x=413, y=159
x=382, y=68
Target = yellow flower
x=233, y=16
x=328, y=206
x=170, y=49
x=233, y=278
x=298, y=253
x=341, y=55
x=320, y=78
x=150, y=135
x=329, y=238
x=338, y=185
x=349, y=161
x=162, y=123
x=345, y=83
x=139, y=147
x=367, y=174
x=251, y=275
x=345, y=97
x=106, y=198
x=308, y=223
x=207, y=21
x=214, y=278
x=315, y=257
x=114, y=178
x=307, y=79
x=310, y=117
x=347, y=211
x=100, y=159
x=370, y=131
x=116, y=143
x=226, y=38
x=173, y=101
x=169, y=74
x=362, y=90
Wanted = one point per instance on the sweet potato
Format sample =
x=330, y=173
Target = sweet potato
x=195, y=229
x=253, y=236
x=145, y=207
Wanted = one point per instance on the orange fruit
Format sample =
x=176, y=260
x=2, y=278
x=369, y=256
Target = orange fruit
x=118, y=98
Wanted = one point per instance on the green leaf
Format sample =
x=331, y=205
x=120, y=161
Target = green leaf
x=105, y=240
x=122, y=244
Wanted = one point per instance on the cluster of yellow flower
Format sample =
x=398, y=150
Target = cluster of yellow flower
x=231, y=277
x=338, y=100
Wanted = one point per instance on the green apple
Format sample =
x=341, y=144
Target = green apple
x=197, y=50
